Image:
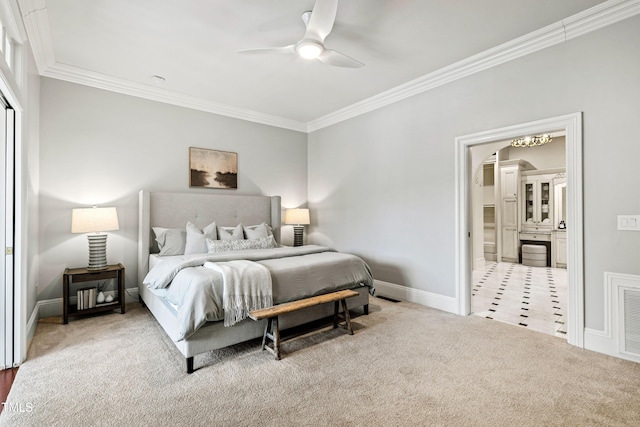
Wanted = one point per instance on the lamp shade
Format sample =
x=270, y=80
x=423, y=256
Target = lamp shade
x=90, y=220
x=297, y=216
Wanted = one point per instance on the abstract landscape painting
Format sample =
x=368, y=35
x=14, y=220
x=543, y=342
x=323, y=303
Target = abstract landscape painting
x=213, y=168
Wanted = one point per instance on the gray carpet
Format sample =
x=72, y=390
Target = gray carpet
x=405, y=365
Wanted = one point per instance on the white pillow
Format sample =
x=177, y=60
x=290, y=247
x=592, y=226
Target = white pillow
x=171, y=241
x=216, y=246
x=257, y=231
x=231, y=233
x=196, y=239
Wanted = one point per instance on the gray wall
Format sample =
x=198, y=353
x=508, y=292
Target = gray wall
x=99, y=147
x=31, y=182
x=381, y=185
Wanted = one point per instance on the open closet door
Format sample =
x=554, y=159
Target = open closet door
x=6, y=233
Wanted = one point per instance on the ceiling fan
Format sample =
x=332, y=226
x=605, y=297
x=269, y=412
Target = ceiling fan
x=319, y=23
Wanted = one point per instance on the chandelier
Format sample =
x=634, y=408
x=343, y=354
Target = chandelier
x=531, y=141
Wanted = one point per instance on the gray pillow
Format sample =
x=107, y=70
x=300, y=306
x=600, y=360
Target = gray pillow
x=231, y=233
x=259, y=231
x=196, y=239
x=171, y=241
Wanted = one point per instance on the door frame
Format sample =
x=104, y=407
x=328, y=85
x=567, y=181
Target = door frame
x=6, y=237
x=14, y=82
x=571, y=124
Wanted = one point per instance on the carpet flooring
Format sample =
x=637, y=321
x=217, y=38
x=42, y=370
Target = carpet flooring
x=405, y=365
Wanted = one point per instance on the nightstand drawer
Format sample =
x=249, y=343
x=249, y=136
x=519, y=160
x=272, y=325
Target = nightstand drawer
x=94, y=275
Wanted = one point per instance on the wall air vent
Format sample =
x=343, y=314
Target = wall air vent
x=630, y=328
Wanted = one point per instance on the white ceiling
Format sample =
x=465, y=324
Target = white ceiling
x=193, y=44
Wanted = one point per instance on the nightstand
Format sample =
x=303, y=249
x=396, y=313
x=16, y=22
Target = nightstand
x=79, y=275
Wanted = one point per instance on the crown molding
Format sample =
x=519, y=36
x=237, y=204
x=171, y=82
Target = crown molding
x=36, y=23
x=592, y=19
x=10, y=12
x=537, y=40
x=127, y=87
x=600, y=16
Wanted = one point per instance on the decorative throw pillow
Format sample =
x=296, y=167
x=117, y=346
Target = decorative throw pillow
x=231, y=233
x=196, y=239
x=257, y=231
x=171, y=241
x=216, y=246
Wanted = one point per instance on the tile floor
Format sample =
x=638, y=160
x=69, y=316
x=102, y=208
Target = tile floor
x=531, y=297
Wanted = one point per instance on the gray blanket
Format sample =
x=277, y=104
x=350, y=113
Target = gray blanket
x=296, y=273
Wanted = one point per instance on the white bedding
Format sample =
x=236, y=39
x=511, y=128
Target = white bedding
x=154, y=259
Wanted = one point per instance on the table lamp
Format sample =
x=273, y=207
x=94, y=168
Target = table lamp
x=299, y=218
x=94, y=221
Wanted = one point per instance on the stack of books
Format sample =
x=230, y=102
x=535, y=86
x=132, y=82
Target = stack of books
x=86, y=298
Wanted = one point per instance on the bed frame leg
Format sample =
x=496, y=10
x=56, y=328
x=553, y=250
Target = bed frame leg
x=140, y=300
x=366, y=309
x=190, y=365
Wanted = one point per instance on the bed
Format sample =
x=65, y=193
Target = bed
x=172, y=211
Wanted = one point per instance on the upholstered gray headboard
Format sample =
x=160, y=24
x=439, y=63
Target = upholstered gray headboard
x=173, y=210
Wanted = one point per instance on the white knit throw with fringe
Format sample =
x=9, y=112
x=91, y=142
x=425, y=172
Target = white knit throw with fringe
x=247, y=286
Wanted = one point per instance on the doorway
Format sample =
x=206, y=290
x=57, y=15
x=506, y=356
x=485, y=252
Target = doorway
x=571, y=126
x=517, y=197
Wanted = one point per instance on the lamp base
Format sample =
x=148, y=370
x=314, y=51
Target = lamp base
x=97, y=251
x=297, y=235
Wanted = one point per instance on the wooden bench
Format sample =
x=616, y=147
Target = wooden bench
x=272, y=330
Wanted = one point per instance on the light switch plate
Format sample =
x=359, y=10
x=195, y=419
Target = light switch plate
x=629, y=222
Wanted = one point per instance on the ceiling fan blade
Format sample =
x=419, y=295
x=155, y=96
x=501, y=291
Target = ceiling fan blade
x=261, y=50
x=337, y=59
x=322, y=18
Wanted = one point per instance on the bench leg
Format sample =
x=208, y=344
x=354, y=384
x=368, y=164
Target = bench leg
x=276, y=337
x=272, y=331
x=345, y=315
x=266, y=331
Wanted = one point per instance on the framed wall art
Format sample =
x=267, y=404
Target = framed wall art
x=213, y=168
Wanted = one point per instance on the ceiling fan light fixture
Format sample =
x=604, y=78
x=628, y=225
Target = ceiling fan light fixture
x=309, y=49
x=319, y=23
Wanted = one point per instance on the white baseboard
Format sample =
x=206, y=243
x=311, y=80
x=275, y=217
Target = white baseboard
x=609, y=341
x=31, y=325
x=49, y=308
x=132, y=295
x=403, y=293
x=601, y=342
